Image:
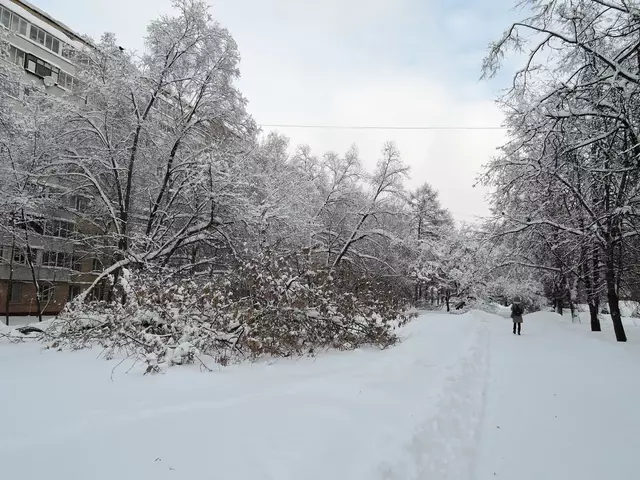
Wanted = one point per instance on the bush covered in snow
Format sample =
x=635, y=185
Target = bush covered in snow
x=263, y=307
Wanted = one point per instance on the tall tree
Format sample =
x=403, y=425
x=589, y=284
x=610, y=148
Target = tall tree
x=573, y=116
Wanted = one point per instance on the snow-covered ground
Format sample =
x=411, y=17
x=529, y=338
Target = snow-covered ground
x=459, y=398
x=20, y=321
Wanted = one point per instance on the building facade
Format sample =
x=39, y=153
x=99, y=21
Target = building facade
x=44, y=47
x=44, y=247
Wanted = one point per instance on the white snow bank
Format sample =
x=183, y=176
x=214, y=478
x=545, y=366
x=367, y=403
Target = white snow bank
x=461, y=397
x=628, y=308
x=21, y=321
x=503, y=311
x=15, y=323
x=350, y=415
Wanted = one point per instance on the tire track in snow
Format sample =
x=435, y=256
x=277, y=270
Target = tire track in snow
x=446, y=445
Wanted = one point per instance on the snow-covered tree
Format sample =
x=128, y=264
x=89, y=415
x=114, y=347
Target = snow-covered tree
x=155, y=135
x=570, y=171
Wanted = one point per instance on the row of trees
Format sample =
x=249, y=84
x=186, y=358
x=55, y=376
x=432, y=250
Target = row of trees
x=204, y=225
x=212, y=237
x=567, y=185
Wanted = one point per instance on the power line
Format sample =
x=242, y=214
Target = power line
x=383, y=127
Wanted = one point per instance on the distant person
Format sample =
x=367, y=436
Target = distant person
x=516, y=314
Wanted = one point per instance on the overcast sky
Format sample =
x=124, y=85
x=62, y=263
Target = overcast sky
x=355, y=62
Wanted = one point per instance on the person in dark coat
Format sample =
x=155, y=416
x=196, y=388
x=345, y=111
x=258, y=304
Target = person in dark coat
x=516, y=314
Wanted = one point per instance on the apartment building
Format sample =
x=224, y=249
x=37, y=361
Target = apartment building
x=44, y=47
x=46, y=244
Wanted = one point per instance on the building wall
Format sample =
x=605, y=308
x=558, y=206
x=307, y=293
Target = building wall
x=43, y=48
x=27, y=39
x=56, y=50
x=28, y=305
x=65, y=284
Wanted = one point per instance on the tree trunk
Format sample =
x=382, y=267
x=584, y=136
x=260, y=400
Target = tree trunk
x=446, y=299
x=593, y=313
x=7, y=303
x=30, y=254
x=612, y=298
x=591, y=285
x=572, y=307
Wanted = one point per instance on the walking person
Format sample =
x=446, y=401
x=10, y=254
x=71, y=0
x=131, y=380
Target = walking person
x=516, y=314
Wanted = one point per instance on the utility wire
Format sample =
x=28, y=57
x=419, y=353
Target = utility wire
x=382, y=127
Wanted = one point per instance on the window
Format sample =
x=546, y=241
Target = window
x=19, y=256
x=30, y=63
x=43, y=68
x=47, y=292
x=65, y=80
x=62, y=229
x=16, y=56
x=18, y=24
x=15, y=292
x=5, y=17
x=97, y=293
x=97, y=265
x=57, y=259
x=39, y=67
x=74, y=291
x=58, y=228
x=78, y=203
x=43, y=38
x=63, y=260
x=68, y=52
x=12, y=21
x=78, y=261
x=49, y=259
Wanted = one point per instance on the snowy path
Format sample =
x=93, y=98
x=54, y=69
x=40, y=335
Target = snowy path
x=461, y=398
x=562, y=403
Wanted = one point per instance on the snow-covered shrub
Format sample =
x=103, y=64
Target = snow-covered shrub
x=475, y=304
x=263, y=307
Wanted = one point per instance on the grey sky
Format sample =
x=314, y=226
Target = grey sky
x=354, y=62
